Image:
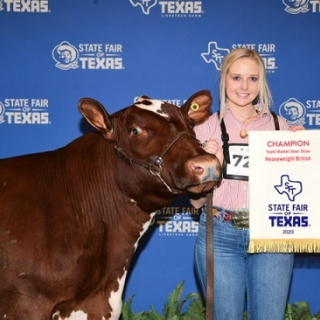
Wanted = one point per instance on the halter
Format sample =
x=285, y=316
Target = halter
x=153, y=163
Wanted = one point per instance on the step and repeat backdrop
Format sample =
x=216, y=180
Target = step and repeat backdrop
x=55, y=52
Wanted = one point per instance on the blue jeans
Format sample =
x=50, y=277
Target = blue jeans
x=258, y=283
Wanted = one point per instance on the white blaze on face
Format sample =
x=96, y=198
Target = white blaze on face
x=154, y=107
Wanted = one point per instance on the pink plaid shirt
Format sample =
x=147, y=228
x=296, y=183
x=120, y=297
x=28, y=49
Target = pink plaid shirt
x=233, y=194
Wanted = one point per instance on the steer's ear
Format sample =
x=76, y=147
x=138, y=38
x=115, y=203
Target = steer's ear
x=198, y=106
x=96, y=115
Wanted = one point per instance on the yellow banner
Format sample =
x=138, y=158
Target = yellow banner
x=284, y=191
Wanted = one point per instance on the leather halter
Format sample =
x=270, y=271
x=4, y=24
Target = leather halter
x=153, y=163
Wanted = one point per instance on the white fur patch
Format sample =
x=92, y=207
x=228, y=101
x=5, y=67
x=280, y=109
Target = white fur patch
x=115, y=298
x=145, y=227
x=75, y=315
x=154, y=107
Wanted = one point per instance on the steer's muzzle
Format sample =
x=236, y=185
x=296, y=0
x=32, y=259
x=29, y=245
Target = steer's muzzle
x=206, y=171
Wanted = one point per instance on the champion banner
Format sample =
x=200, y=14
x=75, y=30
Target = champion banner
x=284, y=197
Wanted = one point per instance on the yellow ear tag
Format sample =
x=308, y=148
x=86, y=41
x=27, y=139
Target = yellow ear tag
x=194, y=107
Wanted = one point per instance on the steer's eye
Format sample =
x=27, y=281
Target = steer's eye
x=136, y=131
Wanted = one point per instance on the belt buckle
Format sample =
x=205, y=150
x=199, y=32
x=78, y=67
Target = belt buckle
x=240, y=219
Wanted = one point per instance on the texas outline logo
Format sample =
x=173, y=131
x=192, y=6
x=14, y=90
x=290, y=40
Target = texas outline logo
x=289, y=187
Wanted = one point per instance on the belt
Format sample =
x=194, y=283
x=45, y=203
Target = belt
x=239, y=218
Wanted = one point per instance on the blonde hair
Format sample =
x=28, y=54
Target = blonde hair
x=264, y=96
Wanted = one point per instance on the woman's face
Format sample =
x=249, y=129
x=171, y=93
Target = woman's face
x=242, y=83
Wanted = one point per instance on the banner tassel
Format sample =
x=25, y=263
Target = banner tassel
x=284, y=246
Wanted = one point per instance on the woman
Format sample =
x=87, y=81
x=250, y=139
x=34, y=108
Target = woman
x=258, y=283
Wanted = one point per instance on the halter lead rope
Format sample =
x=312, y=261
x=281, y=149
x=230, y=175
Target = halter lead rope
x=209, y=258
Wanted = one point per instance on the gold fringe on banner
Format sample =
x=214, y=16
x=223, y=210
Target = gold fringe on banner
x=284, y=245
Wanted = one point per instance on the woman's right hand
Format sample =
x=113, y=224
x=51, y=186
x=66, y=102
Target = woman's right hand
x=213, y=147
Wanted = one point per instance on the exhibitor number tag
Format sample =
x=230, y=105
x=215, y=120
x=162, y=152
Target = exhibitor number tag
x=238, y=168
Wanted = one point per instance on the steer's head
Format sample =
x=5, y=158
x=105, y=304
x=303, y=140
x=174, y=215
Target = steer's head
x=156, y=136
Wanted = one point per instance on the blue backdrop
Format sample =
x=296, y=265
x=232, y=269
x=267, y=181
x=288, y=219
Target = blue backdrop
x=55, y=52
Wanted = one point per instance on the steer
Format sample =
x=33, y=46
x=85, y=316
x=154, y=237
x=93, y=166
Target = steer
x=71, y=219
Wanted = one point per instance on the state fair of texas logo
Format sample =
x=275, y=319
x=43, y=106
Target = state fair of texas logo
x=296, y=6
x=215, y=54
x=145, y=5
x=290, y=214
x=66, y=56
x=289, y=187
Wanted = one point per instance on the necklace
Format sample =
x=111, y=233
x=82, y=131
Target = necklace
x=243, y=119
x=243, y=133
x=246, y=116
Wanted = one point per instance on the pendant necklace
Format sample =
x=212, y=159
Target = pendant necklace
x=243, y=132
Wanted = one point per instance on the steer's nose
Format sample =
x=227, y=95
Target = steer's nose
x=206, y=169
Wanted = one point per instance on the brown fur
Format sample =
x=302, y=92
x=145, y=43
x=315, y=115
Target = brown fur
x=68, y=224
